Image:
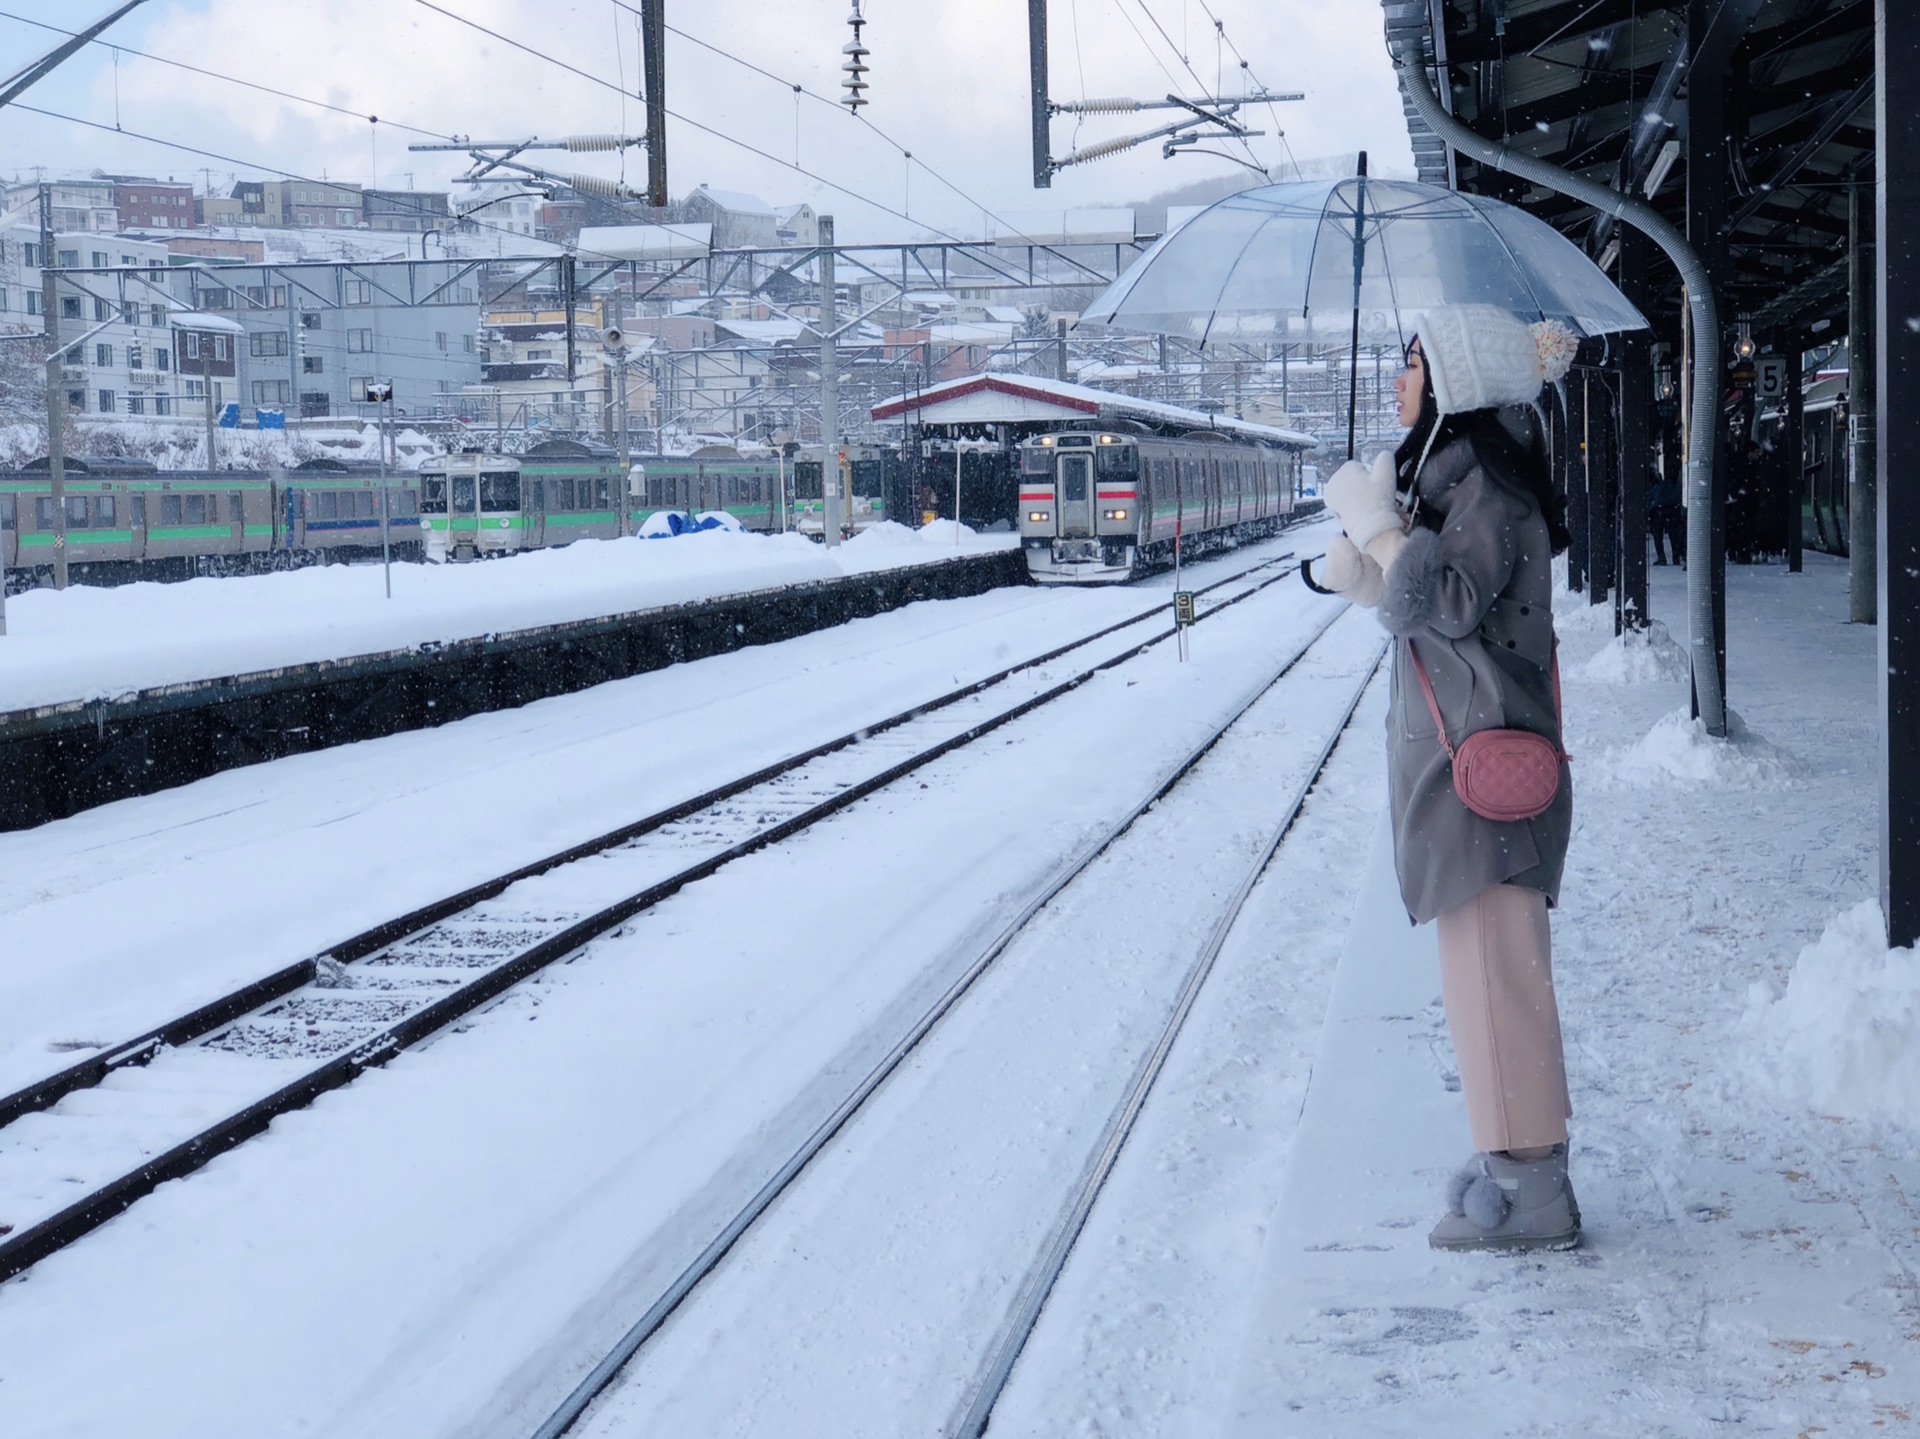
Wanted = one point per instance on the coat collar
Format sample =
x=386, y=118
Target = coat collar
x=1446, y=467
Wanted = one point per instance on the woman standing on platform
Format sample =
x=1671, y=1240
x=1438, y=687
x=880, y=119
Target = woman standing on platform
x=1452, y=538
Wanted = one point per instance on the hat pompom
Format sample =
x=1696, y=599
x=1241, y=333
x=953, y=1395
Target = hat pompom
x=1556, y=345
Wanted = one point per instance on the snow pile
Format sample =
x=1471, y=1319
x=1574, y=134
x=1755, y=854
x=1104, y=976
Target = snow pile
x=890, y=543
x=1678, y=753
x=89, y=642
x=1639, y=657
x=1845, y=1037
x=1574, y=618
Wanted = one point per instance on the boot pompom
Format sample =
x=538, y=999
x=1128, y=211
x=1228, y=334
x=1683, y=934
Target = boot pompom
x=1484, y=1203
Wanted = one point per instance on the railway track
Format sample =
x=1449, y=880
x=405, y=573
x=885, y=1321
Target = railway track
x=81, y=1145
x=983, y=1392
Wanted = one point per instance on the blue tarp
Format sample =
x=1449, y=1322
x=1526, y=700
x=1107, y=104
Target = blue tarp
x=230, y=417
x=270, y=419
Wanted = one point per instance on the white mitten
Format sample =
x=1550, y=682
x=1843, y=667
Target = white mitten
x=1363, y=499
x=1350, y=574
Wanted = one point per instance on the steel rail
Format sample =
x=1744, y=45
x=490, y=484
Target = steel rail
x=656, y=1315
x=205, y=1019
x=1046, y=1272
x=21, y=1250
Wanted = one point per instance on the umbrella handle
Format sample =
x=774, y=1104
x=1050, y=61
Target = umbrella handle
x=1306, y=576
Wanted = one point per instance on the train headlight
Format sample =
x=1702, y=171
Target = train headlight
x=1036, y=516
x=1114, y=514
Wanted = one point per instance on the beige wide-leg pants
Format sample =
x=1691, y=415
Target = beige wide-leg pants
x=1496, y=977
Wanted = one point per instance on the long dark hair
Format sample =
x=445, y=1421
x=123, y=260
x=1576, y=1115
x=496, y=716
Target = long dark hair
x=1522, y=467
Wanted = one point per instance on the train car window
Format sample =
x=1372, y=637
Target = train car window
x=104, y=510
x=76, y=512
x=43, y=513
x=7, y=514
x=463, y=494
x=560, y=495
x=602, y=495
x=326, y=505
x=405, y=502
x=433, y=495
x=500, y=490
x=1073, y=479
x=236, y=508
x=194, y=507
x=169, y=509
x=539, y=495
x=363, y=505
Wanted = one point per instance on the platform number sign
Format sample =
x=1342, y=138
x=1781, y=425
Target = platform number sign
x=1183, y=607
x=1770, y=373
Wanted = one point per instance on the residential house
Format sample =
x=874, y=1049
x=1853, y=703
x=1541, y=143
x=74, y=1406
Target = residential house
x=219, y=210
x=739, y=220
x=796, y=225
x=500, y=207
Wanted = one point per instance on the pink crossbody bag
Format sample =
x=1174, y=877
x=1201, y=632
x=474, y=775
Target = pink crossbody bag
x=1501, y=774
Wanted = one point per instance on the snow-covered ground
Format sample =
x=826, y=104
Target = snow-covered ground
x=90, y=642
x=435, y=1249
x=440, y=1248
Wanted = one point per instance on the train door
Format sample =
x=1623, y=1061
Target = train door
x=536, y=512
x=463, y=514
x=137, y=526
x=1076, y=494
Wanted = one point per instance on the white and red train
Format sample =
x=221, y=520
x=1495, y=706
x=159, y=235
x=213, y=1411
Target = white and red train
x=1106, y=504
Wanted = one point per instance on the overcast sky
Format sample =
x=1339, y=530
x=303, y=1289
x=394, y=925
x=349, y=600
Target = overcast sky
x=948, y=83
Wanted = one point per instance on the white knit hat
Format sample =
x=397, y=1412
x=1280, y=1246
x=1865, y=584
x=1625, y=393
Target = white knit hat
x=1481, y=357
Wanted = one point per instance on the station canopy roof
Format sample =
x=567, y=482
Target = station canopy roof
x=1027, y=399
x=1600, y=87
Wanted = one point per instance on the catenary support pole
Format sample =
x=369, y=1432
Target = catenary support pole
x=382, y=418
x=1793, y=451
x=1863, y=481
x=1037, y=80
x=829, y=390
x=1897, y=258
x=56, y=417
x=1703, y=307
x=1636, y=436
x=653, y=67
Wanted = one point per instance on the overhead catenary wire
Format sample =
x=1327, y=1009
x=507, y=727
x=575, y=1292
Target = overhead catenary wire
x=801, y=90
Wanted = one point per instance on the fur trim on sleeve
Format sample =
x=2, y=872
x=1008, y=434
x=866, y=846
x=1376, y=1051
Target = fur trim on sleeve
x=1412, y=593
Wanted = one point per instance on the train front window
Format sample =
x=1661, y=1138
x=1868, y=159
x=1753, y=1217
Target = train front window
x=1118, y=462
x=1073, y=478
x=463, y=494
x=433, y=494
x=500, y=490
x=1036, y=461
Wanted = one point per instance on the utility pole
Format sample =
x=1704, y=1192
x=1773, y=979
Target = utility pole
x=206, y=387
x=653, y=46
x=829, y=392
x=381, y=393
x=56, y=447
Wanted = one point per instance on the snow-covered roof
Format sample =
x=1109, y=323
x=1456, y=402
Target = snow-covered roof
x=1008, y=399
x=647, y=242
x=736, y=201
x=763, y=332
x=1006, y=314
x=202, y=320
x=787, y=213
x=1065, y=227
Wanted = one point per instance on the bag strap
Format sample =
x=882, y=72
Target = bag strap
x=1433, y=705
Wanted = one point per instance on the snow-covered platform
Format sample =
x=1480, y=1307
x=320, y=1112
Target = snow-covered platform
x=106, y=693
x=1746, y=1144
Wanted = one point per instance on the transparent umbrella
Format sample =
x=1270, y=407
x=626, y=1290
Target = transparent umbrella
x=1355, y=260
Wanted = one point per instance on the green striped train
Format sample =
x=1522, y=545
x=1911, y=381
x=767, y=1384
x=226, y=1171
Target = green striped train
x=126, y=520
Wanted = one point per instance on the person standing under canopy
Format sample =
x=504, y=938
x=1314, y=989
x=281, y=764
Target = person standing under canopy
x=1451, y=539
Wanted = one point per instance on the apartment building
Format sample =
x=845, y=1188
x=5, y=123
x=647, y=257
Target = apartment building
x=313, y=335
x=148, y=204
x=78, y=205
x=405, y=210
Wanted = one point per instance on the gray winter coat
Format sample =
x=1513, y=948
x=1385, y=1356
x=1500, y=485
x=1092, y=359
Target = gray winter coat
x=1476, y=599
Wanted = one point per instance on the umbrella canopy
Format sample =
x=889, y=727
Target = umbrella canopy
x=1279, y=265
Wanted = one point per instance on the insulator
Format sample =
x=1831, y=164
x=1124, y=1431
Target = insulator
x=856, y=49
x=855, y=69
x=606, y=189
x=1097, y=152
x=581, y=144
x=1115, y=105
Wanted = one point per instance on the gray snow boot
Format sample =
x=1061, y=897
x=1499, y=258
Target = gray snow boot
x=1497, y=1202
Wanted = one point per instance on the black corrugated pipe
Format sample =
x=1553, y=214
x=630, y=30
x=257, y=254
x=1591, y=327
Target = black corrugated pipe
x=1706, y=358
